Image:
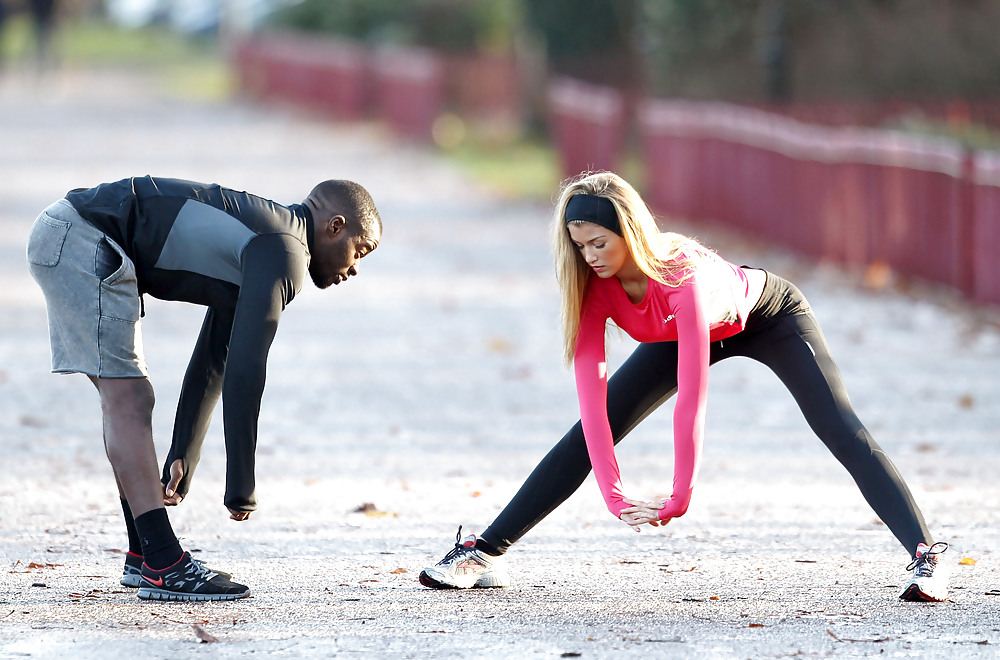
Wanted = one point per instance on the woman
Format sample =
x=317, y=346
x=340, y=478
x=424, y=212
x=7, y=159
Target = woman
x=689, y=308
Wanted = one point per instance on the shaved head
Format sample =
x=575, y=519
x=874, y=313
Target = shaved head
x=341, y=197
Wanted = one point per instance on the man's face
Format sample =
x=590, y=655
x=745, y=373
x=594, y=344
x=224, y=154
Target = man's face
x=337, y=254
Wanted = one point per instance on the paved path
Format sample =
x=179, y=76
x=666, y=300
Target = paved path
x=429, y=387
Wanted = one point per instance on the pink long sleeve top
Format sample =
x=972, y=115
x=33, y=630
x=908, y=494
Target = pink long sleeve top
x=710, y=306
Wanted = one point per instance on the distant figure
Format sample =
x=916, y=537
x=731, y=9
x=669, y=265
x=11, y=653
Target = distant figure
x=3, y=21
x=43, y=14
x=98, y=250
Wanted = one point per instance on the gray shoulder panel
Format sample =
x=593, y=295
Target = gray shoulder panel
x=207, y=241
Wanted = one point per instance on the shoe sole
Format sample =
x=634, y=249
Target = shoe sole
x=913, y=594
x=485, y=582
x=131, y=581
x=148, y=593
x=431, y=583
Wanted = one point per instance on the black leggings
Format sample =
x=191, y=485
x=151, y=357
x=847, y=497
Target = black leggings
x=782, y=333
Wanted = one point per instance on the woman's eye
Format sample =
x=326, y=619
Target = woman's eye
x=601, y=246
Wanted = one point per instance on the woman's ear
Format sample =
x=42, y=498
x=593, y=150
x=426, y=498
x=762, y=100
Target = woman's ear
x=336, y=225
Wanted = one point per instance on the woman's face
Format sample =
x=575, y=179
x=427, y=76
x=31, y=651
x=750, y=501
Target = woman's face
x=601, y=249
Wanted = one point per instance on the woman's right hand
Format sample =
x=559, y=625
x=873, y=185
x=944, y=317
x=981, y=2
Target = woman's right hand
x=640, y=513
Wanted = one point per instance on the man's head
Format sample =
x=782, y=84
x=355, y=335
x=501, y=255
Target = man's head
x=346, y=227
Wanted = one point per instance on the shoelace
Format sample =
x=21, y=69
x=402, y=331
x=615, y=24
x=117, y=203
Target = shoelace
x=923, y=566
x=459, y=548
x=201, y=571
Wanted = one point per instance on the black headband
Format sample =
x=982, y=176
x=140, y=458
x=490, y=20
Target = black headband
x=591, y=208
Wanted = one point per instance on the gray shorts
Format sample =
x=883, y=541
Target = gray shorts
x=91, y=296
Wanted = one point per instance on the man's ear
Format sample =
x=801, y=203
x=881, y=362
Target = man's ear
x=336, y=225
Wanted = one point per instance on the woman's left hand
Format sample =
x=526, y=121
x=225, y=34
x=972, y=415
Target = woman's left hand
x=639, y=513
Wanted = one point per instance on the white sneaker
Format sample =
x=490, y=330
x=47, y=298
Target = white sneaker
x=929, y=581
x=464, y=567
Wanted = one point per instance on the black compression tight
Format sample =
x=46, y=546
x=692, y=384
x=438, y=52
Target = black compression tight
x=781, y=333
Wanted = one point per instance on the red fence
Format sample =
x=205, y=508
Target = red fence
x=407, y=87
x=327, y=76
x=986, y=227
x=588, y=125
x=922, y=206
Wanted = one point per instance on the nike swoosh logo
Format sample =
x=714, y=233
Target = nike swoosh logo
x=158, y=582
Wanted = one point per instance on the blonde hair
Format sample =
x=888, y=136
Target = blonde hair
x=666, y=257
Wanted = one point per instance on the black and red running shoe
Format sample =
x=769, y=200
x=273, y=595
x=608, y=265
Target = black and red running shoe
x=188, y=579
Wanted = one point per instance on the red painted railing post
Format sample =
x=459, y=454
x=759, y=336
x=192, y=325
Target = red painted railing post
x=588, y=124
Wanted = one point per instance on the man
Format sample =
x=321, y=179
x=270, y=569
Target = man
x=96, y=252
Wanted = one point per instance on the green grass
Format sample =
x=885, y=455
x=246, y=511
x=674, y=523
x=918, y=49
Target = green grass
x=526, y=168
x=188, y=67
x=521, y=169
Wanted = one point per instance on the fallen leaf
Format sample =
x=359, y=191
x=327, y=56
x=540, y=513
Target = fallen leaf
x=203, y=637
x=498, y=345
x=967, y=561
x=966, y=401
x=877, y=640
x=32, y=421
x=713, y=598
x=878, y=275
x=379, y=514
x=400, y=570
x=756, y=625
x=476, y=493
x=372, y=511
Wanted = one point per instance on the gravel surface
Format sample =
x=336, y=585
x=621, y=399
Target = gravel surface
x=429, y=388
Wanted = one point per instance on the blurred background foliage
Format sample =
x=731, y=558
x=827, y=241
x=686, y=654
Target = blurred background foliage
x=768, y=53
x=749, y=51
x=457, y=26
x=738, y=50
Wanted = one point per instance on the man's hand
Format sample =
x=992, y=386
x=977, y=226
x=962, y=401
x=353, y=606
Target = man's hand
x=238, y=515
x=641, y=513
x=170, y=495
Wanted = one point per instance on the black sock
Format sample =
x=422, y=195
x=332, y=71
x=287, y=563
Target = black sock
x=134, y=544
x=160, y=547
x=483, y=546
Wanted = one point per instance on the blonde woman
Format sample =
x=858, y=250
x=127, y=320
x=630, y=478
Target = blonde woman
x=689, y=308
